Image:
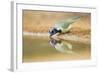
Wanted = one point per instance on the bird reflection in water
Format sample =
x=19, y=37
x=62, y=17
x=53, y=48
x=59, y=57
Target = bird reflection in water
x=62, y=46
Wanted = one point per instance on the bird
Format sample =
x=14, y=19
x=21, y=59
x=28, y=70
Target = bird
x=63, y=25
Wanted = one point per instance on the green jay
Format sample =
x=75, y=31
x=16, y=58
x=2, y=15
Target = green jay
x=63, y=25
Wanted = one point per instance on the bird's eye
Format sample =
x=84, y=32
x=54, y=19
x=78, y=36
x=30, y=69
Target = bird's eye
x=52, y=31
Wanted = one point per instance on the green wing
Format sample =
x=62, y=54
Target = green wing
x=65, y=23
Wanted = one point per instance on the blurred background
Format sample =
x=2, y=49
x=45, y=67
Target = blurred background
x=42, y=21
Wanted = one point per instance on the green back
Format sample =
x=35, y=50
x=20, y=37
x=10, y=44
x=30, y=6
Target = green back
x=65, y=23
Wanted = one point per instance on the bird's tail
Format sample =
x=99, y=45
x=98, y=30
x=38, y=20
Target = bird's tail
x=70, y=20
x=73, y=19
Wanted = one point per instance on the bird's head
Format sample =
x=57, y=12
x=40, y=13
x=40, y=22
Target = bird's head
x=54, y=31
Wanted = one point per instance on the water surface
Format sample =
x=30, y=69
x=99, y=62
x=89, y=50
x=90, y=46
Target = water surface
x=40, y=48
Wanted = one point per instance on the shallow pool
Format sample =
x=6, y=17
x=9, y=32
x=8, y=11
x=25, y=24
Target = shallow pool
x=41, y=49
